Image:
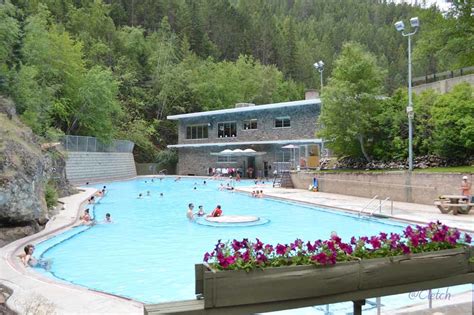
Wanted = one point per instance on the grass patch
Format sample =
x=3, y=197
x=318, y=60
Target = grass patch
x=452, y=169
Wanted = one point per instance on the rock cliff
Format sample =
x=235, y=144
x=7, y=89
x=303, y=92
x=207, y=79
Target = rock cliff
x=25, y=168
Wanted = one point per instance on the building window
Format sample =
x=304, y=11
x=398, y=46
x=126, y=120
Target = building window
x=250, y=124
x=196, y=132
x=282, y=122
x=226, y=159
x=283, y=156
x=227, y=129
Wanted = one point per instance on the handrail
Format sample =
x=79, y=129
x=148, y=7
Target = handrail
x=380, y=205
x=368, y=204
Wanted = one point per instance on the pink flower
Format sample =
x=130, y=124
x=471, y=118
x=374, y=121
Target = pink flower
x=467, y=238
x=236, y=245
x=246, y=256
x=268, y=249
x=258, y=245
x=261, y=258
x=207, y=256
x=375, y=242
x=405, y=249
x=353, y=240
x=311, y=248
x=281, y=249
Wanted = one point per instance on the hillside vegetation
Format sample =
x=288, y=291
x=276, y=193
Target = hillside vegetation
x=117, y=68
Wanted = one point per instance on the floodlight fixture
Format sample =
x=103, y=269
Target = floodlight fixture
x=400, y=26
x=415, y=22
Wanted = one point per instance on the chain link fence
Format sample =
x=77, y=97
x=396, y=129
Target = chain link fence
x=91, y=144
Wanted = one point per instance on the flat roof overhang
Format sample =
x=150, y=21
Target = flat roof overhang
x=223, y=144
x=315, y=101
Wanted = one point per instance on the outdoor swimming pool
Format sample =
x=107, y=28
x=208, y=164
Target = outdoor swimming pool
x=149, y=251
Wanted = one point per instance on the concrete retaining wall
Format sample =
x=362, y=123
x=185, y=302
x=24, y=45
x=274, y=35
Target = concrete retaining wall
x=444, y=86
x=399, y=186
x=82, y=167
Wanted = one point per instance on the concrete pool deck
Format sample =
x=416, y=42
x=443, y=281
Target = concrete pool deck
x=33, y=291
x=402, y=211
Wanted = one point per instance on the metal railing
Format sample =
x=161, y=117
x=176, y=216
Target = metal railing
x=381, y=203
x=429, y=78
x=91, y=144
x=368, y=204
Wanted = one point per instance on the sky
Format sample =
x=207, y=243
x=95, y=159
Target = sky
x=443, y=5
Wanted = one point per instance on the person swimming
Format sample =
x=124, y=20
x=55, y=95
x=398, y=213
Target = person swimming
x=140, y=196
x=108, y=218
x=29, y=260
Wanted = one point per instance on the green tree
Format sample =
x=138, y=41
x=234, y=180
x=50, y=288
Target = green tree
x=453, y=120
x=9, y=37
x=351, y=102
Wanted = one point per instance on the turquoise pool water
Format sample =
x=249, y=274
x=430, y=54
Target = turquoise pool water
x=149, y=251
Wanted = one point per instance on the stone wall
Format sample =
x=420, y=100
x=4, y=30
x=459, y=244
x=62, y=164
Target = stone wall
x=302, y=120
x=82, y=167
x=399, y=186
x=444, y=86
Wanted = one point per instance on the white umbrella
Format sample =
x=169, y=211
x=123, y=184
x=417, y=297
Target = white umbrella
x=237, y=151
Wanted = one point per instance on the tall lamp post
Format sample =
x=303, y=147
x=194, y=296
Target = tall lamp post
x=320, y=67
x=400, y=26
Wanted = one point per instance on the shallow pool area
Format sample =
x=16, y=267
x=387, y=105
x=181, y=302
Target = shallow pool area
x=149, y=251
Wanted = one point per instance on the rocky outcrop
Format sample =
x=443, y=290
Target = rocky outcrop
x=24, y=170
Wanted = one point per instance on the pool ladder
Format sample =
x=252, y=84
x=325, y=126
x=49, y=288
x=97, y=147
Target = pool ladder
x=379, y=206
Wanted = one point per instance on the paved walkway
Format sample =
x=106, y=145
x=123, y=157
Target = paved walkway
x=37, y=294
x=401, y=210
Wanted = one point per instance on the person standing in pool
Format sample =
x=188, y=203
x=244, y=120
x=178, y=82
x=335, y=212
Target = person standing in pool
x=201, y=212
x=189, y=213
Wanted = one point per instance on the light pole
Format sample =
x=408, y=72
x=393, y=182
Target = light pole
x=320, y=67
x=400, y=26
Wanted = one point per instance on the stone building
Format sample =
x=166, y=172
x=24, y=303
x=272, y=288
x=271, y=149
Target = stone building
x=264, y=138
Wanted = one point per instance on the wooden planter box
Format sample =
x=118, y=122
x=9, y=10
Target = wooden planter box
x=238, y=287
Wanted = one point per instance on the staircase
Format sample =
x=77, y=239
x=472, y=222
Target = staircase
x=283, y=180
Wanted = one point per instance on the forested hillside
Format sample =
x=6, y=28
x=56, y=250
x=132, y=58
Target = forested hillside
x=118, y=68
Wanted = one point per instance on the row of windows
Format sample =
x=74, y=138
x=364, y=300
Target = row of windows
x=229, y=129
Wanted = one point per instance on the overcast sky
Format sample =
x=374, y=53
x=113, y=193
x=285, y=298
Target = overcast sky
x=443, y=5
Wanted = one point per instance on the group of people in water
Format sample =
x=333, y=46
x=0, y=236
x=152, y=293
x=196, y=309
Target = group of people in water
x=85, y=218
x=190, y=214
x=257, y=193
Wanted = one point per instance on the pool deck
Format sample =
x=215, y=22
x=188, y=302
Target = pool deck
x=402, y=211
x=33, y=291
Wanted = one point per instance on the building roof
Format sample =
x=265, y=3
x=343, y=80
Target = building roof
x=247, y=109
x=198, y=145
